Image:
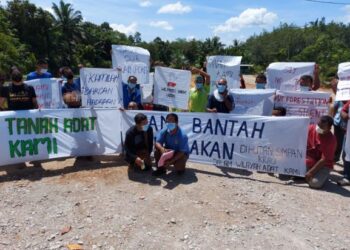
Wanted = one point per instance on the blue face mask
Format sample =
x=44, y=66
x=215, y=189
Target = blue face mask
x=304, y=88
x=199, y=85
x=131, y=85
x=170, y=126
x=221, y=88
x=145, y=127
x=260, y=85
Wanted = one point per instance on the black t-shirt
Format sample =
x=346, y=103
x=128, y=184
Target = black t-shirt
x=220, y=106
x=135, y=141
x=19, y=97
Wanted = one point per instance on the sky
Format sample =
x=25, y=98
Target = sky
x=228, y=19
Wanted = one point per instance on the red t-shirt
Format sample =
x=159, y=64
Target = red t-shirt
x=320, y=147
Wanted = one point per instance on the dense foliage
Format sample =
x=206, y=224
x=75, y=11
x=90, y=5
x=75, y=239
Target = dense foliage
x=28, y=32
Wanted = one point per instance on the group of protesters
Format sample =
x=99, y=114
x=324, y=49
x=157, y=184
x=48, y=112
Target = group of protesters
x=170, y=147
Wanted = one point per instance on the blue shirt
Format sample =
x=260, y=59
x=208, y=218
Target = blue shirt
x=177, y=142
x=75, y=86
x=133, y=96
x=34, y=75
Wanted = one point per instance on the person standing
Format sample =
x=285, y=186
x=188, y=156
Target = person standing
x=41, y=71
x=221, y=101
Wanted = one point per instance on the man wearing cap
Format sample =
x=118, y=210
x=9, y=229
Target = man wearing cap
x=131, y=92
x=199, y=94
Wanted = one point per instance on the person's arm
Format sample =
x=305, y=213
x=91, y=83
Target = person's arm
x=181, y=153
x=227, y=101
x=205, y=75
x=35, y=103
x=2, y=101
x=210, y=105
x=316, y=84
x=160, y=141
x=129, y=146
x=242, y=82
x=150, y=140
x=311, y=173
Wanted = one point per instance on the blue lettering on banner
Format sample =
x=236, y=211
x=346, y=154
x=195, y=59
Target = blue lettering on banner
x=227, y=128
x=93, y=78
x=97, y=91
x=210, y=149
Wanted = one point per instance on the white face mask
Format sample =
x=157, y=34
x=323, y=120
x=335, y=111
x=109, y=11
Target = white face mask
x=43, y=71
x=319, y=130
x=304, y=88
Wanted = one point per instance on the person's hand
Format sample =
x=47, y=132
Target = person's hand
x=121, y=109
x=308, y=176
x=194, y=70
x=139, y=161
x=214, y=110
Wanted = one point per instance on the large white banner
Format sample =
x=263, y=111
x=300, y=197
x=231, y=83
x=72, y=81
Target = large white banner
x=224, y=66
x=48, y=92
x=344, y=71
x=253, y=101
x=343, y=90
x=285, y=75
x=171, y=87
x=310, y=104
x=47, y=134
x=246, y=142
x=101, y=88
x=134, y=61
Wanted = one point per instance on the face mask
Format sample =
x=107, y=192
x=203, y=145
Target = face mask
x=304, y=88
x=221, y=88
x=43, y=71
x=319, y=130
x=145, y=127
x=131, y=85
x=170, y=126
x=199, y=85
x=260, y=86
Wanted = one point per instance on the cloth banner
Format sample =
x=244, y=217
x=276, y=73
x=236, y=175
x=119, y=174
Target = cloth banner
x=224, y=66
x=47, y=134
x=253, y=101
x=285, y=75
x=244, y=142
x=48, y=92
x=343, y=90
x=171, y=87
x=101, y=88
x=297, y=103
x=344, y=71
x=134, y=61
x=147, y=89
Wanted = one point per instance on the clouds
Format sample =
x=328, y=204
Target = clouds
x=162, y=24
x=145, y=3
x=249, y=17
x=129, y=30
x=175, y=8
x=346, y=18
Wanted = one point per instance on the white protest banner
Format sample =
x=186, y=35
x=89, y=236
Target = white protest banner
x=310, y=104
x=344, y=71
x=343, y=90
x=171, y=87
x=134, y=61
x=285, y=75
x=47, y=134
x=253, y=101
x=48, y=92
x=147, y=89
x=224, y=66
x=101, y=88
x=244, y=142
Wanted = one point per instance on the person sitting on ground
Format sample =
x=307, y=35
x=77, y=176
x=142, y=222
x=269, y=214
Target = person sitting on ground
x=199, y=94
x=71, y=89
x=131, y=92
x=221, y=101
x=260, y=81
x=321, y=145
x=139, y=144
x=242, y=82
x=172, y=138
x=40, y=71
x=19, y=96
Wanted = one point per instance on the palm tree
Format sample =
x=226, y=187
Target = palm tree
x=67, y=22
